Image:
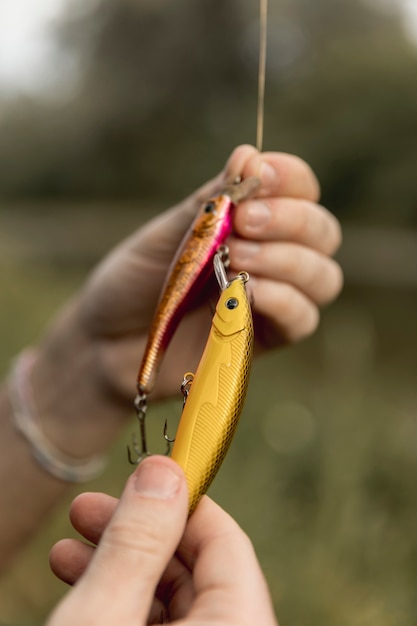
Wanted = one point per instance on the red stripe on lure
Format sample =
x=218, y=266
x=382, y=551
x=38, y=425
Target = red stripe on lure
x=188, y=272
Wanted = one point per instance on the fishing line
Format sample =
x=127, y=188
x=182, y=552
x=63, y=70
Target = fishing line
x=263, y=20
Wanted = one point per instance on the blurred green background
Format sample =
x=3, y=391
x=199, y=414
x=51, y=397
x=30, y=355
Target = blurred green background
x=144, y=100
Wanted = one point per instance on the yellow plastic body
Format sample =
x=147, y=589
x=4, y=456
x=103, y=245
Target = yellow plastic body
x=216, y=397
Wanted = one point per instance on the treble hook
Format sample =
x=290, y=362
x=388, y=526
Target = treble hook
x=141, y=452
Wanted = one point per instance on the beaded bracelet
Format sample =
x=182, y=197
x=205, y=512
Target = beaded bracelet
x=26, y=421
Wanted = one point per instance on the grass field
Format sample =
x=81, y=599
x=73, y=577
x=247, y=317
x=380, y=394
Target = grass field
x=322, y=472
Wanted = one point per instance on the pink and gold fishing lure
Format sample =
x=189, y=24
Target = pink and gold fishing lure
x=218, y=389
x=189, y=270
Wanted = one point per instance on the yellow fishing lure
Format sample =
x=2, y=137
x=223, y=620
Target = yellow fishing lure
x=218, y=389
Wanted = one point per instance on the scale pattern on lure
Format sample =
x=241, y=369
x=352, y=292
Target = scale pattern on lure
x=217, y=391
x=188, y=272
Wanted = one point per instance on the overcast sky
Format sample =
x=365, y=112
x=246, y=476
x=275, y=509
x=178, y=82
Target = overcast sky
x=28, y=57
x=25, y=47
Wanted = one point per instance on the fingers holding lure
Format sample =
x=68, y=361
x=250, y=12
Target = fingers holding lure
x=189, y=271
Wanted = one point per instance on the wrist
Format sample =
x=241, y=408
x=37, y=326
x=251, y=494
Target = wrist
x=26, y=420
x=78, y=412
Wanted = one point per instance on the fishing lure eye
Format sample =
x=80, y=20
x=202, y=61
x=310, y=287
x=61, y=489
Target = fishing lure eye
x=210, y=207
x=232, y=303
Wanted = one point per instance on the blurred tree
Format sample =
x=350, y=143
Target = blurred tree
x=352, y=111
x=168, y=89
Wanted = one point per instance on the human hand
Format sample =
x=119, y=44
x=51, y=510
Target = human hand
x=150, y=561
x=282, y=237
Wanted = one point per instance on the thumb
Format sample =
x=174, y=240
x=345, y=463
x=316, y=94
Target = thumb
x=142, y=536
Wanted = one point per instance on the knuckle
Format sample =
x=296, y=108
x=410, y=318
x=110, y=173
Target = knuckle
x=302, y=315
x=338, y=278
x=291, y=261
x=312, y=185
x=125, y=537
x=333, y=283
x=309, y=322
x=323, y=279
x=304, y=223
x=318, y=227
x=292, y=314
x=335, y=238
x=289, y=304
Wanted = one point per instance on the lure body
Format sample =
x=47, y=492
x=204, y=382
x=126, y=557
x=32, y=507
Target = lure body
x=188, y=272
x=215, y=400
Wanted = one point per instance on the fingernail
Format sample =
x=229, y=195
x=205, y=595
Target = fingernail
x=257, y=214
x=243, y=250
x=268, y=174
x=155, y=480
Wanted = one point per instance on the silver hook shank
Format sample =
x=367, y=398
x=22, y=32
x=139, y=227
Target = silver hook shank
x=220, y=272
